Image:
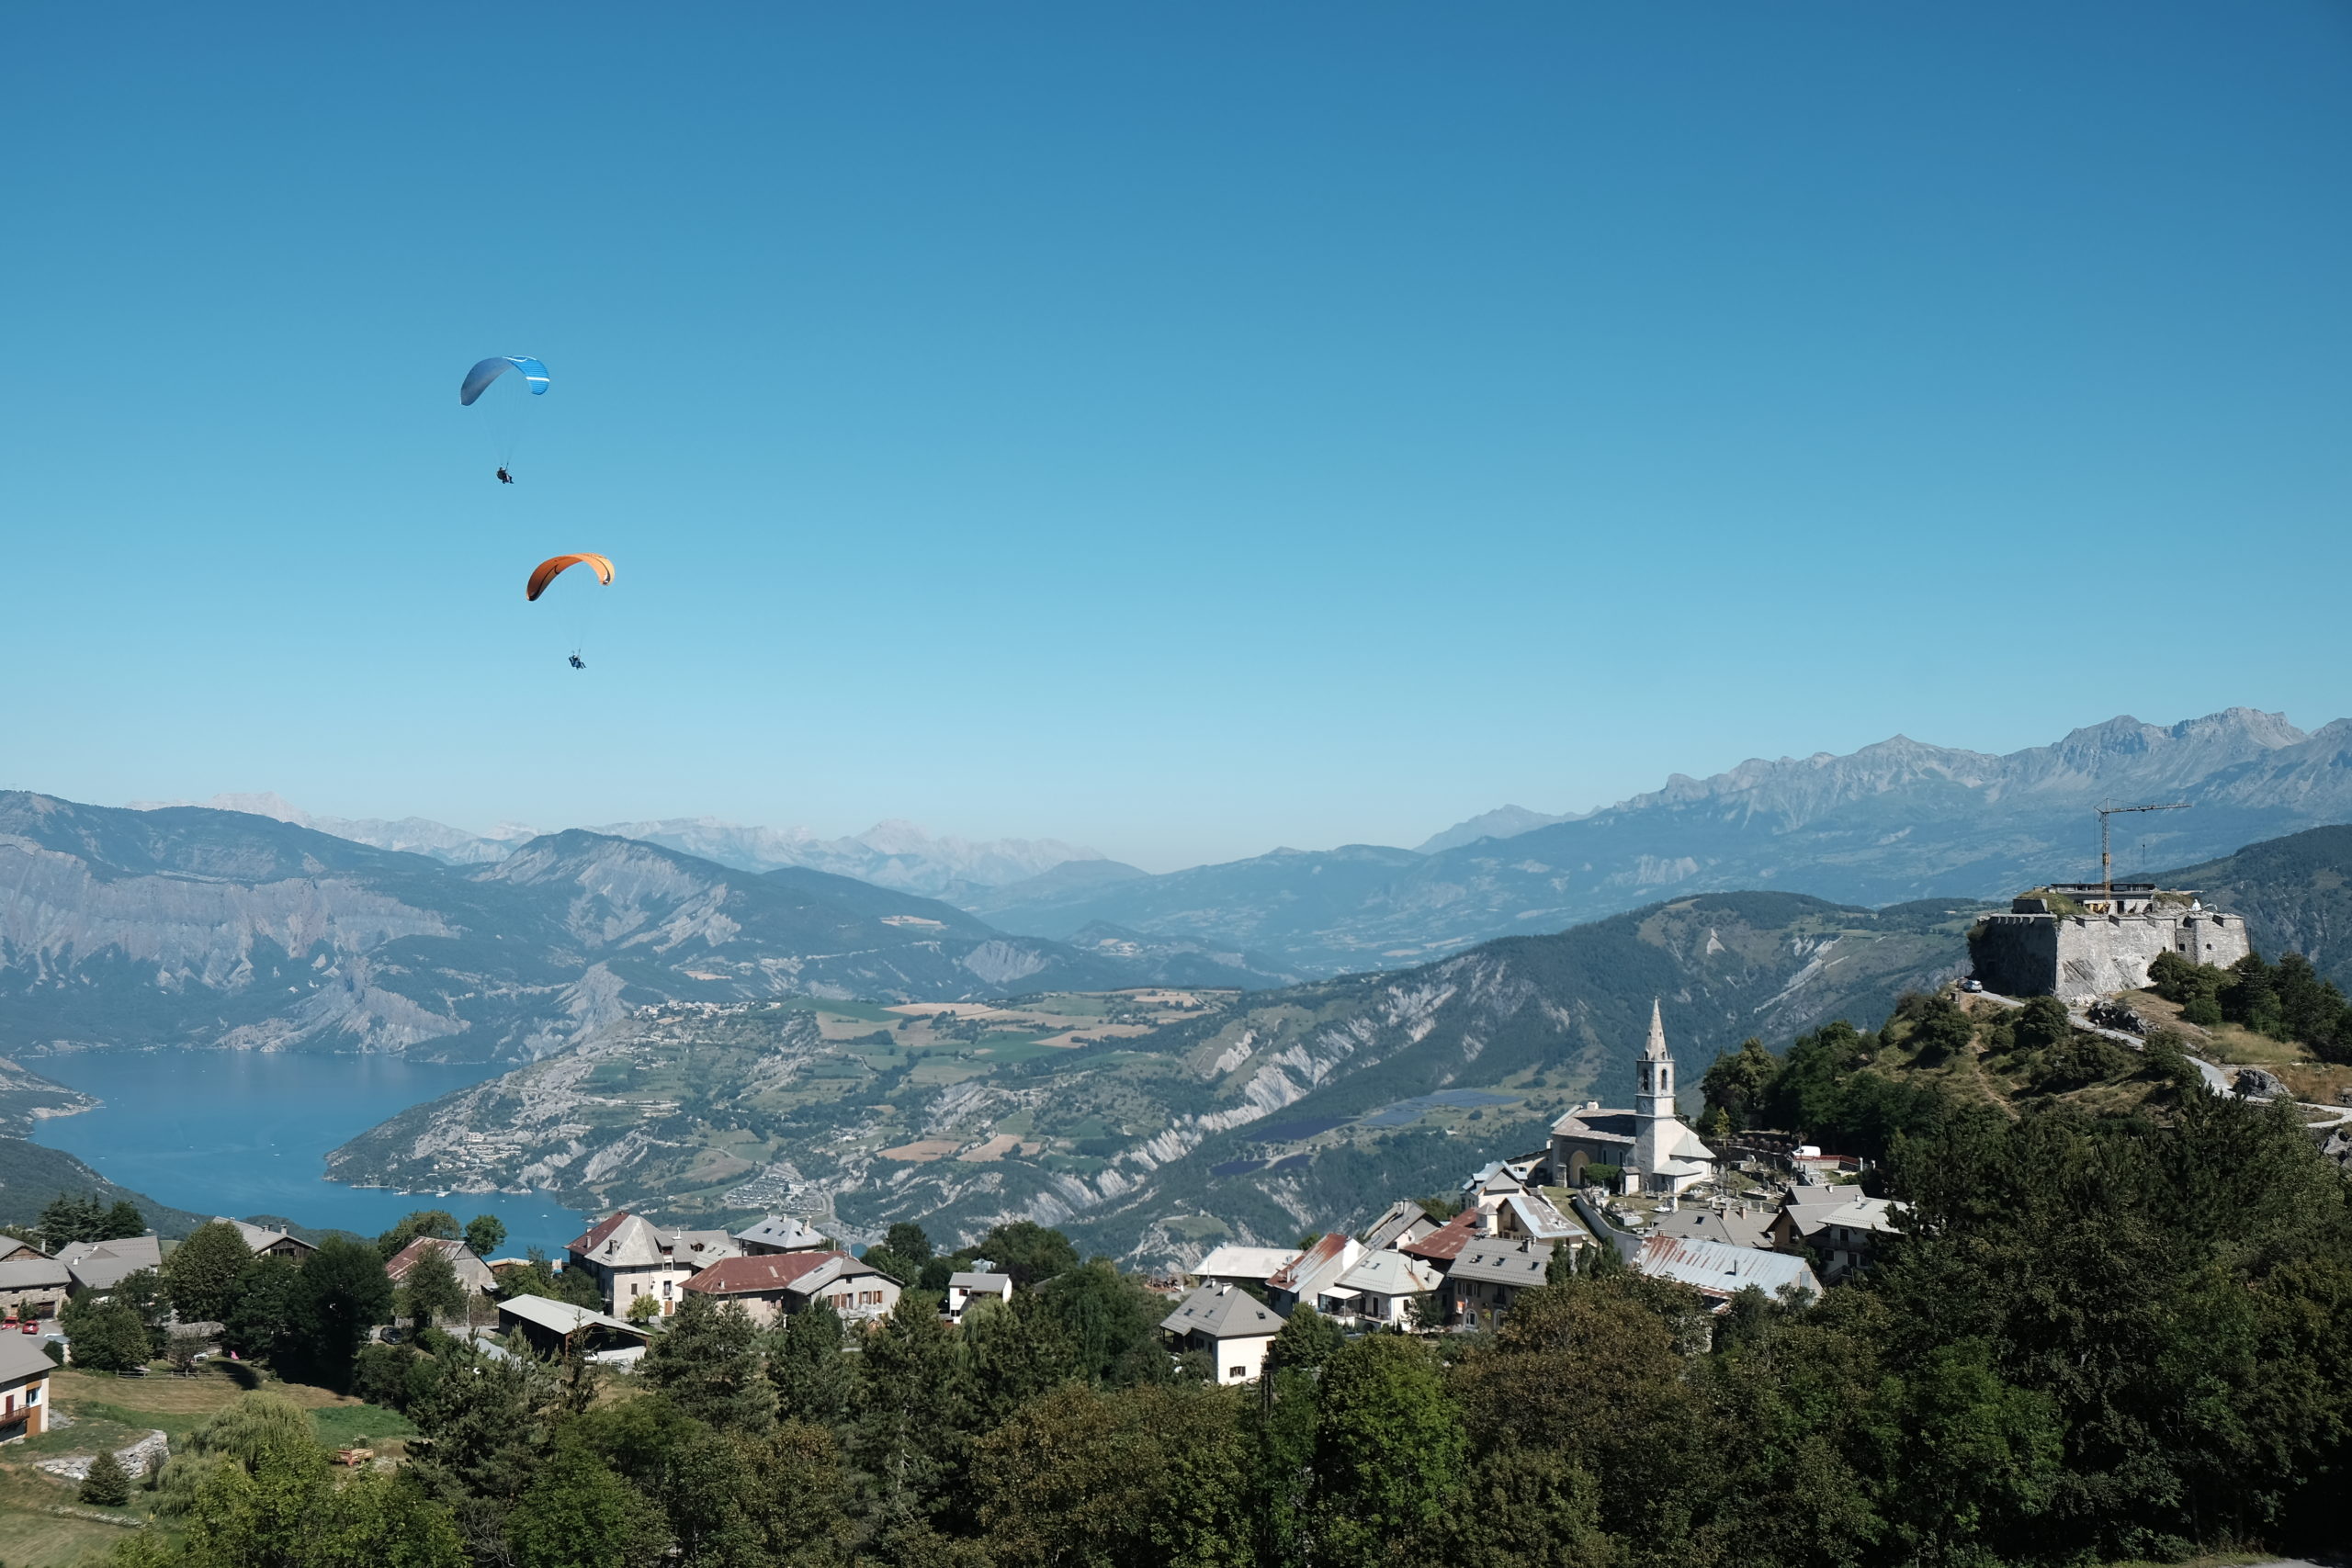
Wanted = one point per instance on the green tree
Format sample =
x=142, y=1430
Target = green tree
x=437, y=1223
x=109, y=1485
x=120, y=1222
x=289, y=1511
x=904, y=1270
x=485, y=1233
x=144, y=1292
x=261, y=1315
x=907, y=1239
x=341, y=1295
x=1526, y=1508
x=707, y=1360
x=1112, y=1322
x=1739, y=1082
x=107, y=1333
x=1018, y=1350
x=1305, y=1340
x=431, y=1290
x=811, y=1373
x=69, y=1219
x=1129, y=1478
x=578, y=1514
x=1389, y=1451
x=915, y=1406
x=487, y=1425
x=1028, y=1252
x=1970, y=1461
x=204, y=1271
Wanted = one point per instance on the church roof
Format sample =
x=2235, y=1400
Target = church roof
x=1655, y=1050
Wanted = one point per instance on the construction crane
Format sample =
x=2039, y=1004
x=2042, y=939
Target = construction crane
x=2106, y=860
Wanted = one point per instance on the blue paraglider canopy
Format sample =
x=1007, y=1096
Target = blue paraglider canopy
x=491, y=369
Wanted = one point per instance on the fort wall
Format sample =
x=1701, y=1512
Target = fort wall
x=2077, y=957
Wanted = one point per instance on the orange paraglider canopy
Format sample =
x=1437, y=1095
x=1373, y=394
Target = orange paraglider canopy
x=549, y=570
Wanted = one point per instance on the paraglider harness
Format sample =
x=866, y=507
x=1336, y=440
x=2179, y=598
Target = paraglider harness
x=504, y=477
x=578, y=662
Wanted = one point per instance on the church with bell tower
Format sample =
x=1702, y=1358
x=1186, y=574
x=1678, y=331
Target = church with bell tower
x=1651, y=1147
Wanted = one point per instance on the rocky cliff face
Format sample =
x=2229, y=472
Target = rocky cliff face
x=1894, y=821
x=192, y=926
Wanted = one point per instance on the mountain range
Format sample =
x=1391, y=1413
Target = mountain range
x=1894, y=821
x=889, y=854
x=195, y=926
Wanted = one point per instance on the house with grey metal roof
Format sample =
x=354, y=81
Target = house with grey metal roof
x=781, y=1233
x=1491, y=1274
x=553, y=1327
x=963, y=1288
x=1382, y=1288
x=34, y=1287
x=1232, y=1265
x=1732, y=1223
x=1232, y=1325
x=264, y=1242
x=103, y=1265
x=1531, y=1216
x=1720, y=1273
x=1403, y=1221
x=1843, y=1231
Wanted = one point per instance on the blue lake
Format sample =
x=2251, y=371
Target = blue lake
x=243, y=1133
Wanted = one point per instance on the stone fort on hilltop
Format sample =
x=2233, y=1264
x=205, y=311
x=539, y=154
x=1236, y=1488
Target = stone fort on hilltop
x=2077, y=941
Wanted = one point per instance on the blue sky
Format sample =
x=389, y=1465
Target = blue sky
x=1179, y=429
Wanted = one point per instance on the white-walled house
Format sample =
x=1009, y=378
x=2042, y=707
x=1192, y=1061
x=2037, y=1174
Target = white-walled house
x=1235, y=1327
x=962, y=1290
x=630, y=1256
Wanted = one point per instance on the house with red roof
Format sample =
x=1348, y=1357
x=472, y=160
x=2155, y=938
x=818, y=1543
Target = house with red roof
x=775, y=1286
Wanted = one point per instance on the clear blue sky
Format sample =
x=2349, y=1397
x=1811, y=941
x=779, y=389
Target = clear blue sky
x=1183, y=429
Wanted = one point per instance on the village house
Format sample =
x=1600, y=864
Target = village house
x=1649, y=1146
x=263, y=1242
x=1233, y=1326
x=1314, y=1273
x=630, y=1256
x=781, y=1233
x=471, y=1271
x=1733, y=1224
x=1231, y=1265
x=34, y=1286
x=1842, y=1231
x=1444, y=1245
x=559, y=1328
x=774, y=1286
x=102, y=1265
x=1404, y=1221
x=1381, y=1289
x=1719, y=1272
x=23, y=1388
x=1531, y=1216
x=963, y=1288
x=1489, y=1275
x=17, y=1250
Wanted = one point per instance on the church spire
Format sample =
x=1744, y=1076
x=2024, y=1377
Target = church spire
x=1655, y=1050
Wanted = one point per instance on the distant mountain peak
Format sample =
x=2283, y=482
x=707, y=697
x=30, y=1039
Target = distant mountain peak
x=1502, y=822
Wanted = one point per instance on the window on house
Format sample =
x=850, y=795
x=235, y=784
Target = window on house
x=1237, y=1372
x=665, y=1290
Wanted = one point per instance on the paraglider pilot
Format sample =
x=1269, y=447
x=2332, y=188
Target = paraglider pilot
x=504, y=477
x=578, y=662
